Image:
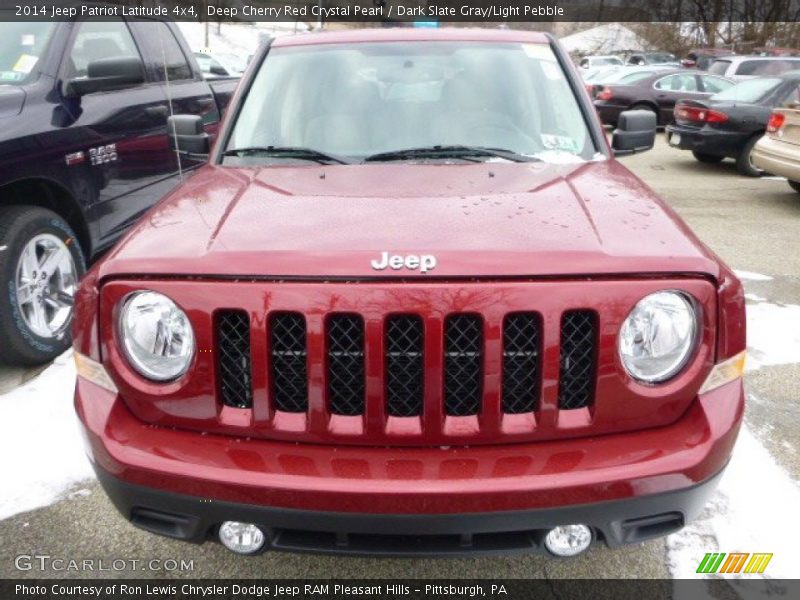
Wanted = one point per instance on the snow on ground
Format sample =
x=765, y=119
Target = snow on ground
x=769, y=340
x=752, y=511
x=40, y=441
x=750, y=276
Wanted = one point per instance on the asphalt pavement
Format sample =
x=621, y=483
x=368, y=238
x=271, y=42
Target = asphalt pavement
x=752, y=224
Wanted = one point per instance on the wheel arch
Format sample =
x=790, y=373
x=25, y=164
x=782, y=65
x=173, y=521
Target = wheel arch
x=49, y=194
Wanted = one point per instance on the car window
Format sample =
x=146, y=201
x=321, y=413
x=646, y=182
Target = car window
x=714, y=85
x=21, y=45
x=677, y=83
x=96, y=40
x=764, y=68
x=750, y=91
x=361, y=99
x=206, y=62
x=631, y=78
x=719, y=67
x=171, y=61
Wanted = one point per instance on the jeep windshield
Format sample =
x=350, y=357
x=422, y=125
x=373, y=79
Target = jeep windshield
x=21, y=44
x=417, y=102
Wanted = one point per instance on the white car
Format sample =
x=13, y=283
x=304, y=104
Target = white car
x=587, y=62
x=739, y=68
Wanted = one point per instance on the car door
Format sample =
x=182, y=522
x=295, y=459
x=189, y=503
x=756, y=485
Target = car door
x=671, y=88
x=173, y=66
x=113, y=128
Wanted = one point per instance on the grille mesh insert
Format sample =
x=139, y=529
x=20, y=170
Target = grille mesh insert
x=578, y=359
x=404, y=366
x=463, y=365
x=233, y=358
x=346, y=364
x=288, y=352
x=521, y=335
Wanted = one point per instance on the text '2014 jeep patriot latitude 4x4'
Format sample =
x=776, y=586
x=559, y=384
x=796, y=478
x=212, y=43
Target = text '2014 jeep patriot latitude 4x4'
x=412, y=305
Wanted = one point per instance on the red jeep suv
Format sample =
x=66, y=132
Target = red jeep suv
x=412, y=305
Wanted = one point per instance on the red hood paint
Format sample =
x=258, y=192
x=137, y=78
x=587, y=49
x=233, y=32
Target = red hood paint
x=479, y=220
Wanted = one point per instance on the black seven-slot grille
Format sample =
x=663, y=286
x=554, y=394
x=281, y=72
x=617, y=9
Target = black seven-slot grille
x=405, y=360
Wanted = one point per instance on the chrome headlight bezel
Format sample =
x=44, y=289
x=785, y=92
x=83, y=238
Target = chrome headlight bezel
x=144, y=362
x=690, y=318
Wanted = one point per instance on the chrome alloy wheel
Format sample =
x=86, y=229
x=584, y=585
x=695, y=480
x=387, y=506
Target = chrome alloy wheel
x=46, y=284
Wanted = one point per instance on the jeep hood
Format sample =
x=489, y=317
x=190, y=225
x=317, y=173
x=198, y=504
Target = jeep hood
x=479, y=220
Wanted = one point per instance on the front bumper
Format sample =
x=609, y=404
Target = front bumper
x=706, y=140
x=421, y=501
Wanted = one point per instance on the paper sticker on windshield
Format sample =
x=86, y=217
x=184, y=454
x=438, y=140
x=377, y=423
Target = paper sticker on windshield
x=25, y=63
x=28, y=39
x=559, y=142
x=539, y=51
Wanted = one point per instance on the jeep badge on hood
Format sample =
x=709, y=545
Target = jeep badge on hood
x=425, y=262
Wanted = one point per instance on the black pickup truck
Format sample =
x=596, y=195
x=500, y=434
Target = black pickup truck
x=84, y=151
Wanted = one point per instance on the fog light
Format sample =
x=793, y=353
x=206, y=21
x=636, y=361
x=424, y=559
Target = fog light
x=242, y=538
x=568, y=540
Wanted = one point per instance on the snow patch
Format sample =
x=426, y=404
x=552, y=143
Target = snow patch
x=750, y=276
x=751, y=511
x=41, y=441
x=773, y=334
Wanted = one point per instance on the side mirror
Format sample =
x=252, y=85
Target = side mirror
x=219, y=70
x=107, y=74
x=635, y=132
x=187, y=135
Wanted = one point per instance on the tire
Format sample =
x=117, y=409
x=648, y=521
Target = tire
x=743, y=163
x=35, y=306
x=795, y=185
x=708, y=158
x=643, y=106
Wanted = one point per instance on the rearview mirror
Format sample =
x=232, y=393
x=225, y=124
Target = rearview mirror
x=187, y=135
x=107, y=74
x=635, y=132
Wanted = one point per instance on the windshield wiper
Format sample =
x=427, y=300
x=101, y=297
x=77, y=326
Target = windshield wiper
x=449, y=152
x=288, y=152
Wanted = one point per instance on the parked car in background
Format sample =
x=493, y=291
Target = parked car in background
x=292, y=353
x=624, y=74
x=745, y=67
x=702, y=58
x=84, y=151
x=766, y=51
x=778, y=152
x=729, y=124
x=215, y=67
x=593, y=76
x=656, y=91
x=588, y=62
x=652, y=58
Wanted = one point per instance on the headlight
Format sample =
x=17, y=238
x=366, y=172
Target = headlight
x=156, y=336
x=658, y=337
